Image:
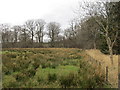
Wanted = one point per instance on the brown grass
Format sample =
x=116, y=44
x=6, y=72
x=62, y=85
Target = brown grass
x=105, y=59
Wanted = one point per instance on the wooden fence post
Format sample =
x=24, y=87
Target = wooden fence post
x=107, y=73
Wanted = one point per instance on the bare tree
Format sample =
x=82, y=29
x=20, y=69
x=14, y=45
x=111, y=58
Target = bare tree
x=39, y=29
x=100, y=12
x=71, y=31
x=73, y=28
x=24, y=34
x=5, y=30
x=30, y=25
x=91, y=31
x=54, y=30
x=70, y=34
x=16, y=32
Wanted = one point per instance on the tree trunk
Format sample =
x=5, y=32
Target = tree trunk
x=32, y=36
x=111, y=55
x=95, y=41
x=39, y=38
x=42, y=38
x=94, y=45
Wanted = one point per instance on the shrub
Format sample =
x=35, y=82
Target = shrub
x=31, y=72
x=69, y=80
x=16, y=67
x=94, y=82
x=19, y=76
x=6, y=71
x=53, y=65
x=12, y=55
x=44, y=65
x=52, y=77
x=83, y=64
x=39, y=79
x=35, y=67
x=99, y=80
x=36, y=64
x=9, y=81
x=31, y=83
x=89, y=77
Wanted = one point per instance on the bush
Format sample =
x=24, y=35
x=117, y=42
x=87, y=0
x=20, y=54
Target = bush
x=69, y=80
x=88, y=77
x=44, y=65
x=9, y=81
x=6, y=71
x=52, y=77
x=53, y=65
x=12, y=55
x=31, y=72
x=28, y=72
x=36, y=64
x=99, y=80
x=31, y=83
x=94, y=82
x=19, y=76
x=39, y=79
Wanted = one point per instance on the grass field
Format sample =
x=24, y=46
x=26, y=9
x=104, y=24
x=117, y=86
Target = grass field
x=50, y=68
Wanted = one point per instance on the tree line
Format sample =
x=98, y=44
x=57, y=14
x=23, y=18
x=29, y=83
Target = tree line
x=28, y=35
x=98, y=29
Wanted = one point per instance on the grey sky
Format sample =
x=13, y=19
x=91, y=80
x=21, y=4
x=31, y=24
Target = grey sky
x=18, y=11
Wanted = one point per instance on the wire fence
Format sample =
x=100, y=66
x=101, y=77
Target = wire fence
x=101, y=66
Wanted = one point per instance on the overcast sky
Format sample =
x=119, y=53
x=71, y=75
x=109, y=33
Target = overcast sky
x=17, y=12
